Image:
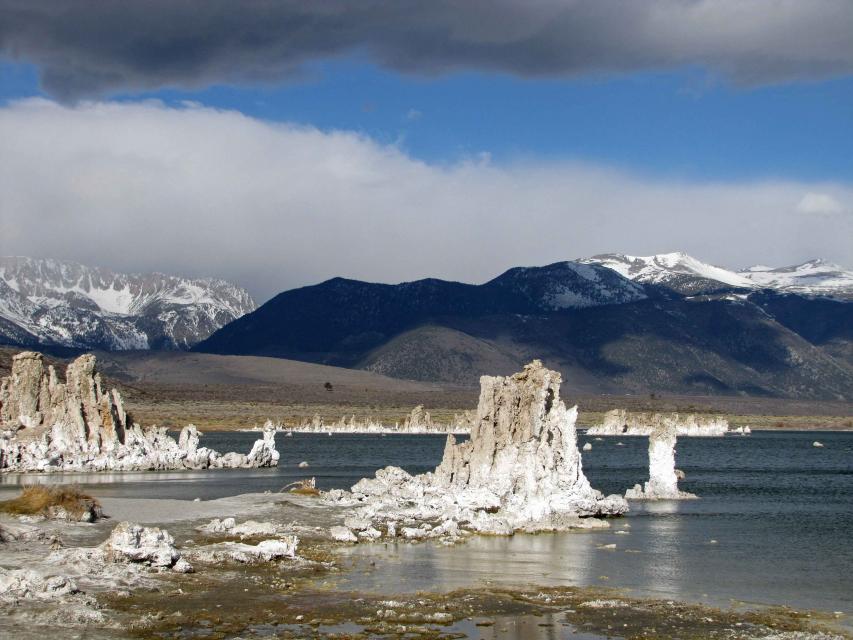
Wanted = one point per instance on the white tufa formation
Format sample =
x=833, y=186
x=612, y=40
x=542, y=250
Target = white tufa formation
x=619, y=422
x=282, y=547
x=129, y=551
x=150, y=546
x=520, y=470
x=48, y=425
x=25, y=584
x=663, y=476
x=418, y=421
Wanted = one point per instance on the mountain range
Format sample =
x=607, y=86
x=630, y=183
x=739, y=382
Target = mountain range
x=47, y=302
x=612, y=323
x=687, y=275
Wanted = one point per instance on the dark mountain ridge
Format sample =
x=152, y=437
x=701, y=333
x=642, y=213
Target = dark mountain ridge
x=605, y=332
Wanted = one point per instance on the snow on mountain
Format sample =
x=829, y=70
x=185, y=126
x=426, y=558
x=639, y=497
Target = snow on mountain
x=570, y=285
x=69, y=304
x=814, y=277
x=677, y=271
x=687, y=275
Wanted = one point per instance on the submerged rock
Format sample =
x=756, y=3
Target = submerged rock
x=520, y=470
x=663, y=476
x=47, y=425
x=619, y=422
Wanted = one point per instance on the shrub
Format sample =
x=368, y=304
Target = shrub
x=61, y=502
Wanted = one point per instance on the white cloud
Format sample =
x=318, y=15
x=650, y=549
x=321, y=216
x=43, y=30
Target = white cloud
x=413, y=114
x=197, y=191
x=819, y=204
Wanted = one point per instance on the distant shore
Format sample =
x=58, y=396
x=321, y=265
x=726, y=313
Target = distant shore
x=234, y=393
x=221, y=415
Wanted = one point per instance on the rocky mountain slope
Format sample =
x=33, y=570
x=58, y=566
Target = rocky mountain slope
x=55, y=303
x=684, y=331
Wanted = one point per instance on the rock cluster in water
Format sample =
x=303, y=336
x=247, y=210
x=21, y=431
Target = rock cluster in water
x=520, y=470
x=663, y=476
x=619, y=422
x=48, y=425
x=418, y=421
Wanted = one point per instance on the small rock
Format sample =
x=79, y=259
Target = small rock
x=357, y=524
x=342, y=534
x=131, y=542
x=441, y=617
x=370, y=534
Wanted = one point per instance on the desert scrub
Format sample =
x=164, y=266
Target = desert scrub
x=58, y=503
x=304, y=487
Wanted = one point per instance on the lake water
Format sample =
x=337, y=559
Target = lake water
x=774, y=524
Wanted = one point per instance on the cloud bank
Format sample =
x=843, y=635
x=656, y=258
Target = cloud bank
x=92, y=47
x=820, y=204
x=197, y=191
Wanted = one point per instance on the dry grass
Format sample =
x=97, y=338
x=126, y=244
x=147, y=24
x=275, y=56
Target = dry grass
x=308, y=491
x=304, y=487
x=47, y=501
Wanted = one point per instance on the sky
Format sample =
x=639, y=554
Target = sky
x=279, y=143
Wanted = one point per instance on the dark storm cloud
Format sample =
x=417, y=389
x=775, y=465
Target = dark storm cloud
x=89, y=47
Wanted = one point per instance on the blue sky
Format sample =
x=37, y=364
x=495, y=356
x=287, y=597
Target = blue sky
x=280, y=143
x=684, y=123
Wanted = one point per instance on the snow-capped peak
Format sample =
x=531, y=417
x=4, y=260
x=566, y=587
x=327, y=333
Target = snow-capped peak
x=814, y=277
x=67, y=303
x=676, y=270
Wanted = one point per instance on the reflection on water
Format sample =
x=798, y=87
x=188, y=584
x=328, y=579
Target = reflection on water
x=780, y=511
x=664, y=534
x=522, y=627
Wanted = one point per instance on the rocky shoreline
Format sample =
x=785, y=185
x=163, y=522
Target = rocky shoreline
x=160, y=566
x=271, y=576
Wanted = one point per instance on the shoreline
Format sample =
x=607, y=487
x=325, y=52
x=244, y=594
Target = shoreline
x=460, y=432
x=312, y=604
x=236, y=415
